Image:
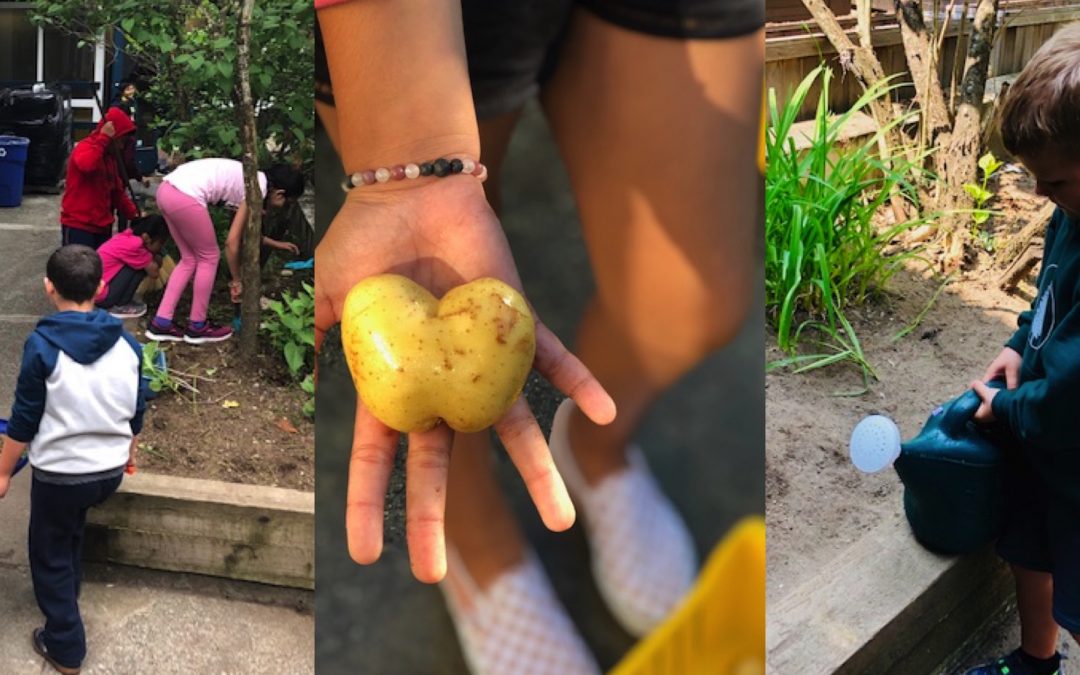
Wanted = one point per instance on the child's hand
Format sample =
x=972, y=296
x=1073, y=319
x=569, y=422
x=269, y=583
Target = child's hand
x=236, y=290
x=440, y=235
x=1007, y=363
x=985, y=413
x=130, y=468
x=4, y=482
x=290, y=247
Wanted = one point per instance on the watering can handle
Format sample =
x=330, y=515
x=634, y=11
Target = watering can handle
x=963, y=409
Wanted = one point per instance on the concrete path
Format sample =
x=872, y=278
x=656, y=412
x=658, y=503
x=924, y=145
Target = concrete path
x=137, y=621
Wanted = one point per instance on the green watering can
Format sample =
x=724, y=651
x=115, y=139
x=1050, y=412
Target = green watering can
x=952, y=473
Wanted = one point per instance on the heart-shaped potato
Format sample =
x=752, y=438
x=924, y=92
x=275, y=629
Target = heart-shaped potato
x=416, y=360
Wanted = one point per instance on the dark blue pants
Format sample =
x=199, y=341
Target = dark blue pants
x=57, y=521
x=72, y=235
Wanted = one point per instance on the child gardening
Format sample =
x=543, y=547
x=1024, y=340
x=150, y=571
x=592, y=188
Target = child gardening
x=184, y=198
x=1041, y=366
x=78, y=409
x=126, y=259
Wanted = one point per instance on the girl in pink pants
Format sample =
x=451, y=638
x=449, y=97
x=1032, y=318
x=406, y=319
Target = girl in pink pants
x=183, y=198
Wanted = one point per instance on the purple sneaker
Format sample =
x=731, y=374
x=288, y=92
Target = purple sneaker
x=172, y=333
x=208, y=333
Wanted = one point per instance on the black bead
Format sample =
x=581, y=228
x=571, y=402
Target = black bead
x=442, y=167
x=426, y=169
x=456, y=166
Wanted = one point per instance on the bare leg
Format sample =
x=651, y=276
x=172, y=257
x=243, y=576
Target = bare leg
x=1034, y=600
x=659, y=137
x=479, y=522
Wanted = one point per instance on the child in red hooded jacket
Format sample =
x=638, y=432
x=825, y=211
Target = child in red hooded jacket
x=95, y=189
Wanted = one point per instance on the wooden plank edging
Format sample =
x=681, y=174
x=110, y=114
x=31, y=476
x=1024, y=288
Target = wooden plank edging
x=247, y=532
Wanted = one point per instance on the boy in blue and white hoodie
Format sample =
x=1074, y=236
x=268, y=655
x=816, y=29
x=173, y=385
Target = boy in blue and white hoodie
x=78, y=410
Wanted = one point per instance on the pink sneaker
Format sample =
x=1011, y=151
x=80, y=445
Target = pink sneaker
x=208, y=333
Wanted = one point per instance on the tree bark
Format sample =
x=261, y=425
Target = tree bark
x=958, y=161
x=919, y=50
x=250, y=271
x=863, y=63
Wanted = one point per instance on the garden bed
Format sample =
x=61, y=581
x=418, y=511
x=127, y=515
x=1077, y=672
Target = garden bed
x=818, y=505
x=246, y=424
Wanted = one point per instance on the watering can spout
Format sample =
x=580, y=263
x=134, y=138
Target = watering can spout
x=952, y=473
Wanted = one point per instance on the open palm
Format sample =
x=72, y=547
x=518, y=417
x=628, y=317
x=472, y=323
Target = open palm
x=440, y=234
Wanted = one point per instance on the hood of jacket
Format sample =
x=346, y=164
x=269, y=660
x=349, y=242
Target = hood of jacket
x=83, y=336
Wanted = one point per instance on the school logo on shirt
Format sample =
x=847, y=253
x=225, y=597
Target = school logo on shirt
x=1042, y=323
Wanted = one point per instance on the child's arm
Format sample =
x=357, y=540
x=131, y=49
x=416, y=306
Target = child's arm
x=281, y=245
x=9, y=455
x=89, y=153
x=232, y=249
x=152, y=269
x=1042, y=412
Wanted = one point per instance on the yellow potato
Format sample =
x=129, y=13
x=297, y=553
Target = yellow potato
x=416, y=360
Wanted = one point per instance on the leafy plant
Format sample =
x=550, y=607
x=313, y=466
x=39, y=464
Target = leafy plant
x=988, y=165
x=825, y=251
x=307, y=385
x=188, y=46
x=292, y=328
x=159, y=377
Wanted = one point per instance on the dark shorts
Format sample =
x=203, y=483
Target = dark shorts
x=1042, y=532
x=513, y=45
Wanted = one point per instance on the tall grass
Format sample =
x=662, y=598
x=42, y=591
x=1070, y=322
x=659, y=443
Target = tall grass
x=825, y=252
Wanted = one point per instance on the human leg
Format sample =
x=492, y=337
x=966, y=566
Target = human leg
x=175, y=207
x=122, y=287
x=670, y=229
x=57, y=518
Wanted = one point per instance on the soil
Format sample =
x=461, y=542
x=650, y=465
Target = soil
x=817, y=504
x=245, y=425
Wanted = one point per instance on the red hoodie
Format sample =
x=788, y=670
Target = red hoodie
x=94, y=187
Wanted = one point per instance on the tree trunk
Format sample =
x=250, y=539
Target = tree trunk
x=919, y=49
x=958, y=161
x=250, y=271
x=863, y=63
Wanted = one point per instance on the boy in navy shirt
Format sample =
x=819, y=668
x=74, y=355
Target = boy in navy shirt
x=1040, y=124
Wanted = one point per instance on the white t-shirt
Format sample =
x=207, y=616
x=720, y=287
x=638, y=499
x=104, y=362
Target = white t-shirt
x=213, y=181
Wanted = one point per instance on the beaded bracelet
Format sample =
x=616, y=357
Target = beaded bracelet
x=440, y=168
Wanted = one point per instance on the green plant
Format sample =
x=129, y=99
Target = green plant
x=988, y=165
x=291, y=328
x=825, y=250
x=158, y=376
x=307, y=385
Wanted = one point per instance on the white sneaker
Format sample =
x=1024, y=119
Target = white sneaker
x=643, y=556
x=516, y=626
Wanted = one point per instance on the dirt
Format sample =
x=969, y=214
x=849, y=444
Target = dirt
x=817, y=504
x=245, y=424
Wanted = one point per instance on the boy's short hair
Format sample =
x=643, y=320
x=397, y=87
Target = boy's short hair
x=1042, y=107
x=285, y=177
x=75, y=271
x=154, y=226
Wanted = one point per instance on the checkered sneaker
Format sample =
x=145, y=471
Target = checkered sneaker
x=643, y=557
x=516, y=626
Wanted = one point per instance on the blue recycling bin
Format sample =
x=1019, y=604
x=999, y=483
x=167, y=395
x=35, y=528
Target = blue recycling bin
x=12, y=169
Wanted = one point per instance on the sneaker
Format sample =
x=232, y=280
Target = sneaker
x=208, y=333
x=643, y=557
x=129, y=311
x=1013, y=664
x=516, y=625
x=161, y=334
x=38, y=638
